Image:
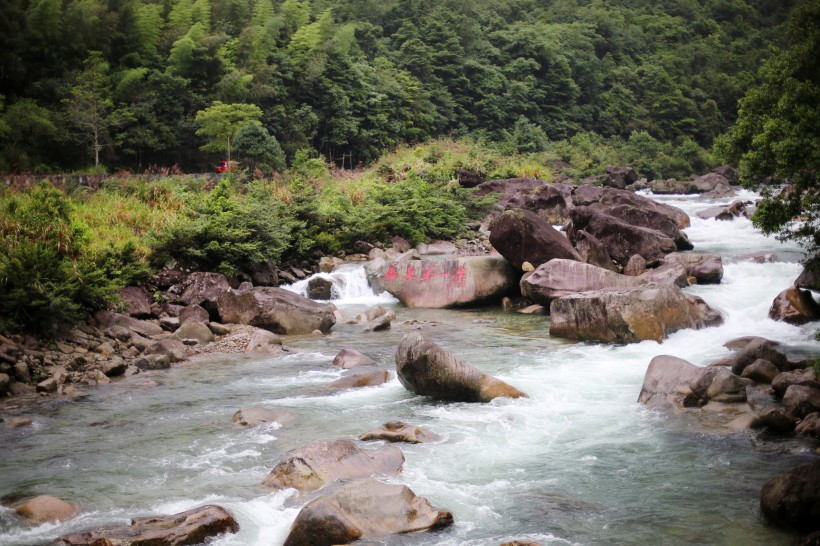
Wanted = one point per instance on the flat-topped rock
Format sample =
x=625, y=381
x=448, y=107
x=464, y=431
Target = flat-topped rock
x=275, y=309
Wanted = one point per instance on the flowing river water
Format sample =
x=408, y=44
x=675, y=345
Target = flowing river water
x=578, y=462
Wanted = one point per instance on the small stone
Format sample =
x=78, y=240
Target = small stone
x=18, y=422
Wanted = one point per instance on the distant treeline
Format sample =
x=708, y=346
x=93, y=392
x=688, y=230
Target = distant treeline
x=348, y=79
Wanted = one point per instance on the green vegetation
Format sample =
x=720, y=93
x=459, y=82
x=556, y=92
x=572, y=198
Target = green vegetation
x=122, y=84
x=777, y=134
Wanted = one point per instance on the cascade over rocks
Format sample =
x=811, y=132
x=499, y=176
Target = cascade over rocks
x=192, y=527
x=620, y=238
x=672, y=381
x=448, y=282
x=522, y=236
x=275, y=309
x=319, y=463
x=364, y=509
x=426, y=369
x=625, y=315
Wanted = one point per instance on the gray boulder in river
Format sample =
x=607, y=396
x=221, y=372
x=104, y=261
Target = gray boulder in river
x=425, y=368
x=364, y=509
x=448, y=282
x=625, y=315
x=275, y=309
x=324, y=461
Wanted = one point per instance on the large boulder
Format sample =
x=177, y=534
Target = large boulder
x=650, y=218
x=448, y=282
x=792, y=499
x=810, y=277
x=629, y=314
x=203, y=289
x=192, y=527
x=621, y=239
x=196, y=331
x=672, y=381
x=425, y=368
x=45, y=508
x=795, y=306
x=137, y=301
x=706, y=268
x=108, y=319
x=619, y=177
x=399, y=431
x=364, y=509
x=558, y=278
x=276, y=309
x=593, y=251
x=324, y=461
x=522, y=236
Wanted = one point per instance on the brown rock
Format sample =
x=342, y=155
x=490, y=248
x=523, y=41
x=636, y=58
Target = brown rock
x=45, y=508
x=192, y=527
x=635, y=266
x=809, y=425
x=758, y=348
x=264, y=342
x=760, y=371
x=137, y=301
x=351, y=358
x=194, y=330
x=629, y=315
x=18, y=422
x=592, y=251
x=382, y=322
x=792, y=499
x=426, y=369
x=367, y=376
x=320, y=288
x=255, y=416
x=193, y=313
x=277, y=310
x=801, y=400
x=204, y=289
x=108, y=319
x=448, y=282
x=706, y=268
x=361, y=510
x=795, y=306
x=173, y=348
x=399, y=431
x=558, y=278
x=522, y=236
x=672, y=381
x=321, y=462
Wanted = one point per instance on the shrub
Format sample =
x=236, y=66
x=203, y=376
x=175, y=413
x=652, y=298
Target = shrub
x=227, y=233
x=47, y=281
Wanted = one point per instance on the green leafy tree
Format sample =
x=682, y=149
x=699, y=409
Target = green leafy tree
x=220, y=122
x=257, y=146
x=777, y=133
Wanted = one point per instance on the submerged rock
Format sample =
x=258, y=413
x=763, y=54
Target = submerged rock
x=364, y=509
x=254, y=416
x=324, y=461
x=365, y=376
x=399, y=431
x=792, y=499
x=192, y=527
x=45, y=508
x=425, y=368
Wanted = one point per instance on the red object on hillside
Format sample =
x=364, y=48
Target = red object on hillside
x=225, y=166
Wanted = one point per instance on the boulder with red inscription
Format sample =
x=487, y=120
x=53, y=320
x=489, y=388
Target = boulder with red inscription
x=449, y=281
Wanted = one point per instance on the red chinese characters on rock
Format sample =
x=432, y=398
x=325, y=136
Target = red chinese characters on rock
x=428, y=274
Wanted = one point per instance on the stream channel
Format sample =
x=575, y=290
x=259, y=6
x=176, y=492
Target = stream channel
x=578, y=462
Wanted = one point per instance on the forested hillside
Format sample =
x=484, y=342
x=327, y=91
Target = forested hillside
x=349, y=79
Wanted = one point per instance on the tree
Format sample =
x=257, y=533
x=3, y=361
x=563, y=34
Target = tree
x=777, y=133
x=220, y=122
x=89, y=106
x=254, y=143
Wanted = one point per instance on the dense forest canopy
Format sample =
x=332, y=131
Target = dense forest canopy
x=124, y=79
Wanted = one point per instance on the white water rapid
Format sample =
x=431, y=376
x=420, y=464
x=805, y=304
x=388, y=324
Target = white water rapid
x=578, y=462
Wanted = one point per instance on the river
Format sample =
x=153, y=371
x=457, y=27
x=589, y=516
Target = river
x=578, y=462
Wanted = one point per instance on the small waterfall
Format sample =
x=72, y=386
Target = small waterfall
x=349, y=285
